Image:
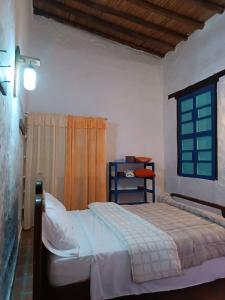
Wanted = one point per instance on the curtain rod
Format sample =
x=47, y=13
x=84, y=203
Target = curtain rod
x=209, y=80
x=26, y=114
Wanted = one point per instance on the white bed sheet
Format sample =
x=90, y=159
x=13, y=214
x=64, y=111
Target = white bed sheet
x=105, y=260
x=66, y=270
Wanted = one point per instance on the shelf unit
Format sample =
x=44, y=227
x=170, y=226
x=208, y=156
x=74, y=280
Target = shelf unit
x=114, y=191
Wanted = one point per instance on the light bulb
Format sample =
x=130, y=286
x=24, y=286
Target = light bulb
x=29, y=78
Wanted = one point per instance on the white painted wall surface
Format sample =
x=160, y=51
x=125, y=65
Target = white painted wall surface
x=23, y=21
x=201, y=56
x=83, y=74
x=14, y=30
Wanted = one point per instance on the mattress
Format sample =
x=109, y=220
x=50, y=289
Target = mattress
x=105, y=260
x=63, y=271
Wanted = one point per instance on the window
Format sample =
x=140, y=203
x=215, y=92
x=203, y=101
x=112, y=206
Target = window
x=197, y=134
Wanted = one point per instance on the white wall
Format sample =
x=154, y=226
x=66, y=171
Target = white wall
x=23, y=21
x=13, y=31
x=201, y=56
x=83, y=74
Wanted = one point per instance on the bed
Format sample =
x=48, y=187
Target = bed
x=69, y=278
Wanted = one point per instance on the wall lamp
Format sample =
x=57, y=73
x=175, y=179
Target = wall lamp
x=29, y=72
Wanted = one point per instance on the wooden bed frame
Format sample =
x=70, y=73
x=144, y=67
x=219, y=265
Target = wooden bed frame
x=42, y=290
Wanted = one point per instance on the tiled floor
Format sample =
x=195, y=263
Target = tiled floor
x=22, y=287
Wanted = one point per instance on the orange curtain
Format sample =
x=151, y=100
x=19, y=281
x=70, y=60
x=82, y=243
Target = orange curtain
x=85, y=170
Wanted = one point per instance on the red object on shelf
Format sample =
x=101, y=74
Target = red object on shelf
x=144, y=173
x=143, y=159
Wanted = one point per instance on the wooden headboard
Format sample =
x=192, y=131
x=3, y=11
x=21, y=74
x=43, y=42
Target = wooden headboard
x=42, y=289
x=202, y=202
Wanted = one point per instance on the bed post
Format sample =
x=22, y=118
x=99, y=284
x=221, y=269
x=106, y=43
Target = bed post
x=37, y=251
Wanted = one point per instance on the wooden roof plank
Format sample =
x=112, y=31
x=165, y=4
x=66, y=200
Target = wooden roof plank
x=149, y=25
x=47, y=14
x=133, y=19
x=106, y=24
x=168, y=13
x=211, y=6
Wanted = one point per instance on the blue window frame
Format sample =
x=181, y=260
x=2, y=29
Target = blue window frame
x=197, y=133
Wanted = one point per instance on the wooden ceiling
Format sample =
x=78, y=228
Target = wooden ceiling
x=154, y=26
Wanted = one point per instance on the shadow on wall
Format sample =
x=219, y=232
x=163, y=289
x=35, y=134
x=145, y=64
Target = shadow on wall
x=110, y=149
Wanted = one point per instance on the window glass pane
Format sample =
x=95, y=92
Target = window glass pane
x=186, y=155
x=187, y=168
x=187, y=128
x=187, y=105
x=187, y=144
x=203, y=99
x=204, y=142
x=186, y=117
x=204, y=112
x=204, y=125
x=205, y=155
x=204, y=169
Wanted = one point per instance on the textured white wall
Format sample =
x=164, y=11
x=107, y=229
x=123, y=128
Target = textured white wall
x=201, y=56
x=83, y=74
x=13, y=31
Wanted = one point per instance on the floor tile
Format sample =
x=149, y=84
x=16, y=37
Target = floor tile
x=23, y=282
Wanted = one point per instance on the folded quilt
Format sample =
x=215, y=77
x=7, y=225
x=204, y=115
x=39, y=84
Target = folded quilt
x=153, y=253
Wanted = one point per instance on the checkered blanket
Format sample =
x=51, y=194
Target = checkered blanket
x=153, y=253
x=198, y=234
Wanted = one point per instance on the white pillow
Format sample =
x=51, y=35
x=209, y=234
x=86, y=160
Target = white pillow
x=52, y=202
x=62, y=253
x=58, y=229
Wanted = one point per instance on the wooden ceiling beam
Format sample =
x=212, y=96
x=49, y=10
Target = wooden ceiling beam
x=214, y=7
x=48, y=14
x=168, y=13
x=133, y=19
x=107, y=25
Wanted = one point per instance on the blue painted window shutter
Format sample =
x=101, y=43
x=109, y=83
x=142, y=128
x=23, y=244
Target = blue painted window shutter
x=197, y=133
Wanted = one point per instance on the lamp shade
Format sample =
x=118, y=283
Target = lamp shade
x=29, y=78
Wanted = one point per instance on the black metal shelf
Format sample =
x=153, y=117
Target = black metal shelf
x=115, y=191
x=132, y=191
x=119, y=162
x=129, y=178
x=132, y=203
